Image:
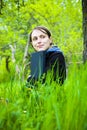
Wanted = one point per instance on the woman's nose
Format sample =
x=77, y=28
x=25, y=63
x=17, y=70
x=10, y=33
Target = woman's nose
x=39, y=40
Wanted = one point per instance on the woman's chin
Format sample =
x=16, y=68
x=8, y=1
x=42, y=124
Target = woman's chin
x=41, y=49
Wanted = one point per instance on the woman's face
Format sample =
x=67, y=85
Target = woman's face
x=40, y=40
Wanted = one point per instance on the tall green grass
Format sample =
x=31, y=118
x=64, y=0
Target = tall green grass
x=48, y=106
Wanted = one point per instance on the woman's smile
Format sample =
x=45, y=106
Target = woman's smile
x=40, y=40
x=40, y=46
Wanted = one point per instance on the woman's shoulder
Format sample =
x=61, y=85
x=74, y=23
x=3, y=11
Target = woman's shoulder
x=54, y=49
x=54, y=53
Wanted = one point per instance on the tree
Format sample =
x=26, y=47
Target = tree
x=84, y=9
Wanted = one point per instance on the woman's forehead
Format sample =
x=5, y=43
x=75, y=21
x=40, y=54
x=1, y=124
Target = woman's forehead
x=37, y=32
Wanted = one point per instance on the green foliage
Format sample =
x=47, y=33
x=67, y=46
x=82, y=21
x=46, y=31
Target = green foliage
x=6, y=75
x=63, y=18
x=47, y=106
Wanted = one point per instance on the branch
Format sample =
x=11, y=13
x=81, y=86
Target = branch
x=26, y=50
x=13, y=49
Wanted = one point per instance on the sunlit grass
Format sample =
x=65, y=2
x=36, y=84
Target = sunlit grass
x=48, y=106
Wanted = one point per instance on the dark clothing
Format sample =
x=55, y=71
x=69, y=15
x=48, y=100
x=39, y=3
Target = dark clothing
x=55, y=62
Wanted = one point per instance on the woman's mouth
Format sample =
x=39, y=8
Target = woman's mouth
x=40, y=46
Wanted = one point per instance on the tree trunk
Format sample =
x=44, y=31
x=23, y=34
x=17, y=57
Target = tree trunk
x=1, y=5
x=84, y=10
x=26, y=54
x=13, y=49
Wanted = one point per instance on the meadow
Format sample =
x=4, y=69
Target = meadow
x=48, y=106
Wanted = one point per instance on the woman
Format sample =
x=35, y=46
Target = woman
x=40, y=39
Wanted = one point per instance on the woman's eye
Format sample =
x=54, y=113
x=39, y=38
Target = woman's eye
x=42, y=36
x=34, y=39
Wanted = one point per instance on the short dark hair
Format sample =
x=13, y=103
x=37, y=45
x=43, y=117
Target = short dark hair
x=42, y=29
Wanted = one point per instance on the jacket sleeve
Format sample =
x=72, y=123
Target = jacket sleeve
x=55, y=61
